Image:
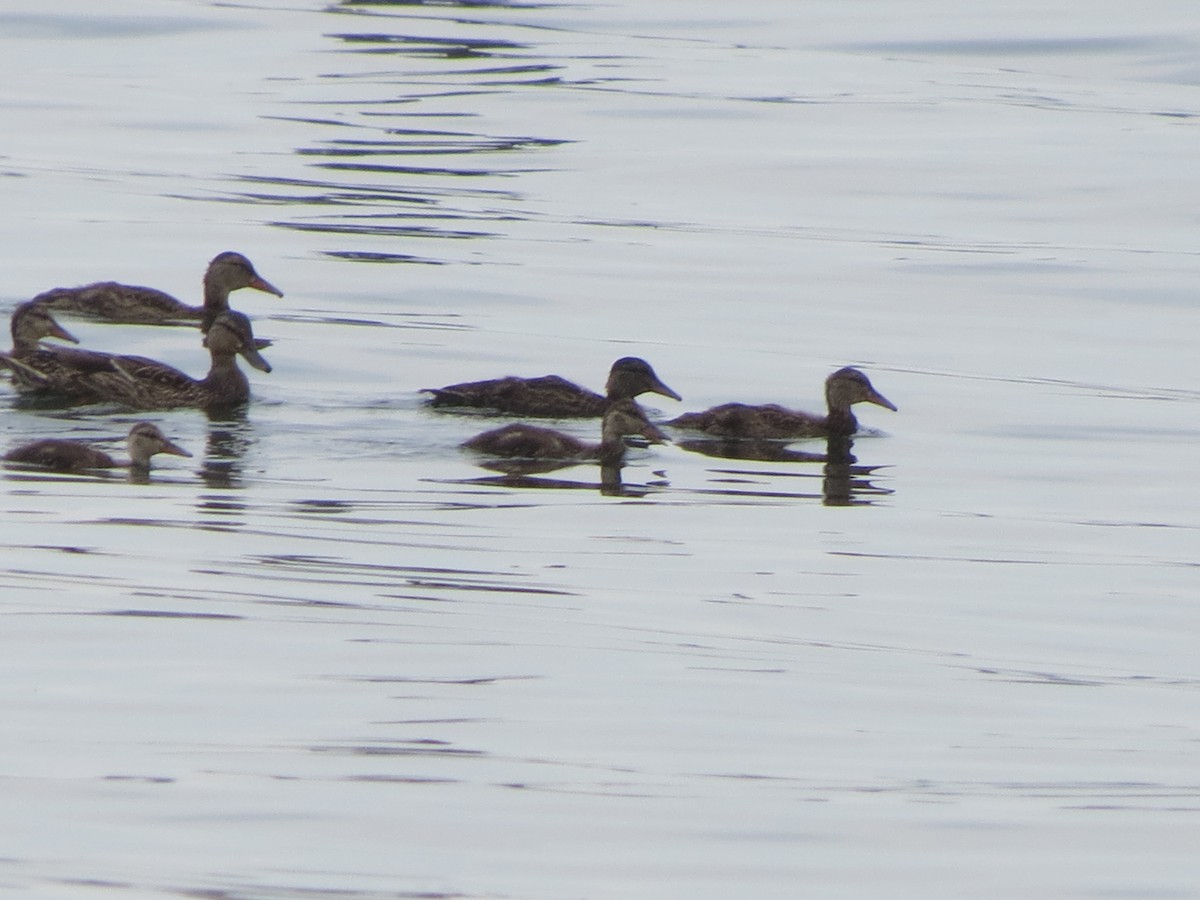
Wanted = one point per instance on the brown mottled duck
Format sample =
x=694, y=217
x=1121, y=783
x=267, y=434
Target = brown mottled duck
x=843, y=389
x=132, y=304
x=45, y=368
x=553, y=397
x=146, y=384
x=624, y=418
x=144, y=441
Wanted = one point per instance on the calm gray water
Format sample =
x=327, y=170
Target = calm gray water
x=332, y=657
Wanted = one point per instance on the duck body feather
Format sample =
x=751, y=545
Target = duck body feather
x=126, y=304
x=742, y=420
x=61, y=455
x=524, y=441
x=549, y=396
x=624, y=418
x=148, y=384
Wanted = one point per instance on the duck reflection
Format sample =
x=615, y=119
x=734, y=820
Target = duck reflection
x=229, y=438
x=761, y=450
x=515, y=476
x=844, y=482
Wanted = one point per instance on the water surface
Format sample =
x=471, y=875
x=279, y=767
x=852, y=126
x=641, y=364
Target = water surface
x=332, y=656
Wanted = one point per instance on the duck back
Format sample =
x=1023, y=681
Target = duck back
x=61, y=455
x=549, y=396
x=741, y=420
x=522, y=441
x=127, y=304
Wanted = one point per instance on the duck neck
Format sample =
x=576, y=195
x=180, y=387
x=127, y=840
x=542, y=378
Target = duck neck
x=225, y=381
x=21, y=341
x=139, y=459
x=216, y=301
x=611, y=452
x=841, y=421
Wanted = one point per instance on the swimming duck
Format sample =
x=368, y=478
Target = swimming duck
x=624, y=418
x=147, y=384
x=131, y=304
x=145, y=440
x=843, y=388
x=36, y=367
x=551, y=396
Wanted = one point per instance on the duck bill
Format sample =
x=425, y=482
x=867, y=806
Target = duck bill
x=261, y=284
x=252, y=356
x=659, y=388
x=62, y=334
x=879, y=400
x=174, y=449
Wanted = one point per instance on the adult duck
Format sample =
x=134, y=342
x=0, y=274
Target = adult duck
x=146, y=384
x=45, y=368
x=553, y=397
x=843, y=389
x=144, y=441
x=136, y=305
x=624, y=418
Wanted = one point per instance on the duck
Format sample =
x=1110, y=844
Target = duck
x=843, y=389
x=144, y=441
x=136, y=305
x=624, y=418
x=49, y=368
x=551, y=396
x=143, y=383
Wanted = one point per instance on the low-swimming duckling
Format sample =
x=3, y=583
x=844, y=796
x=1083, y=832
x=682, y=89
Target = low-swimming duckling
x=144, y=441
x=843, y=389
x=533, y=442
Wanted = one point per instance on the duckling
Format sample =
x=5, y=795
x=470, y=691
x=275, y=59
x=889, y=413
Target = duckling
x=624, y=418
x=145, y=439
x=146, y=384
x=843, y=388
x=551, y=396
x=135, y=305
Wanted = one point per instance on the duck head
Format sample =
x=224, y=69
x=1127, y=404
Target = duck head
x=848, y=386
x=230, y=333
x=145, y=439
x=230, y=271
x=630, y=376
x=31, y=323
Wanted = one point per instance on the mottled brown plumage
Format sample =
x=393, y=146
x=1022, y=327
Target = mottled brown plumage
x=551, y=396
x=147, y=384
x=41, y=368
x=144, y=441
x=843, y=388
x=133, y=304
x=624, y=418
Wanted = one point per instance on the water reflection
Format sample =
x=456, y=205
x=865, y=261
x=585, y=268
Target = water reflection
x=229, y=437
x=349, y=5
x=524, y=475
x=844, y=482
x=736, y=448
